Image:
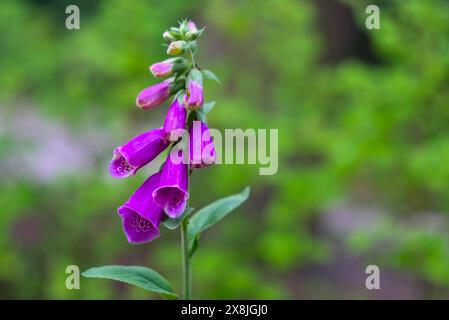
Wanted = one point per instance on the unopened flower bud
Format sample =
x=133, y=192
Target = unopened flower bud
x=168, y=67
x=168, y=36
x=194, y=96
x=154, y=95
x=162, y=69
x=193, y=33
x=183, y=27
x=192, y=26
x=177, y=47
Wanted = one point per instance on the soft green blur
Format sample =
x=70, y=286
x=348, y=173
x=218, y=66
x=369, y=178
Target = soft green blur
x=363, y=148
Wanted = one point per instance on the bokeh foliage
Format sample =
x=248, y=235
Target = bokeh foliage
x=351, y=132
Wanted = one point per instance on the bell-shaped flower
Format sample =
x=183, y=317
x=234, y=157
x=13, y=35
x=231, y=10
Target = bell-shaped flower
x=140, y=215
x=175, y=121
x=201, y=145
x=131, y=156
x=172, y=193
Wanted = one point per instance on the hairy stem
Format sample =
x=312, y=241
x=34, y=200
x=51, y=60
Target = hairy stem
x=186, y=272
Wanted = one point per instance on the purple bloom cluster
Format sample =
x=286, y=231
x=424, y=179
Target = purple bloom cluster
x=165, y=193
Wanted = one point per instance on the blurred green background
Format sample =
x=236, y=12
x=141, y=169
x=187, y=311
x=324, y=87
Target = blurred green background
x=363, y=119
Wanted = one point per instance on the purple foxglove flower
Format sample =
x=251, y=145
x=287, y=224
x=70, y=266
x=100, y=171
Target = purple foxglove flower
x=175, y=121
x=140, y=215
x=201, y=147
x=172, y=193
x=133, y=155
x=194, y=98
x=163, y=68
x=154, y=95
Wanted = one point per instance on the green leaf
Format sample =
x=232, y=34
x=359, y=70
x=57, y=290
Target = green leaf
x=180, y=96
x=142, y=277
x=211, y=214
x=196, y=76
x=207, y=107
x=201, y=115
x=172, y=224
x=210, y=75
x=193, y=46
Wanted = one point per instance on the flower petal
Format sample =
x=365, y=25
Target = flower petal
x=172, y=193
x=136, y=153
x=140, y=215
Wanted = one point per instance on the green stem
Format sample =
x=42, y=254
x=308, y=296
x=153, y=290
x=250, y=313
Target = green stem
x=192, y=58
x=186, y=272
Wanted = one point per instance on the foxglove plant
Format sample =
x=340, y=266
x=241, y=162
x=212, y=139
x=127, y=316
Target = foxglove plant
x=164, y=196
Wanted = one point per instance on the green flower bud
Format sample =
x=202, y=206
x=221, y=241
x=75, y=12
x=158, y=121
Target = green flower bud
x=168, y=36
x=177, y=47
x=183, y=27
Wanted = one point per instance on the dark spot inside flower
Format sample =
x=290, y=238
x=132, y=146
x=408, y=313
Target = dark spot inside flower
x=122, y=166
x=172, y=199
x=176, y=199
x=141, y=224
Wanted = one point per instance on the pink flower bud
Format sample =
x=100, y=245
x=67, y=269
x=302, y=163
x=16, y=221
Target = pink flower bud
x=192, y=26
x=162, y=69
x=194, y=98
x=154, y=95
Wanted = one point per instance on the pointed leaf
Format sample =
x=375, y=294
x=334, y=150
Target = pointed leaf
x=196, y=76
x=201, y=115
x=211, y=214
x=142, y=277
x=180, y=96
x=171, y=223
x=208, y=106
x=210, y=75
